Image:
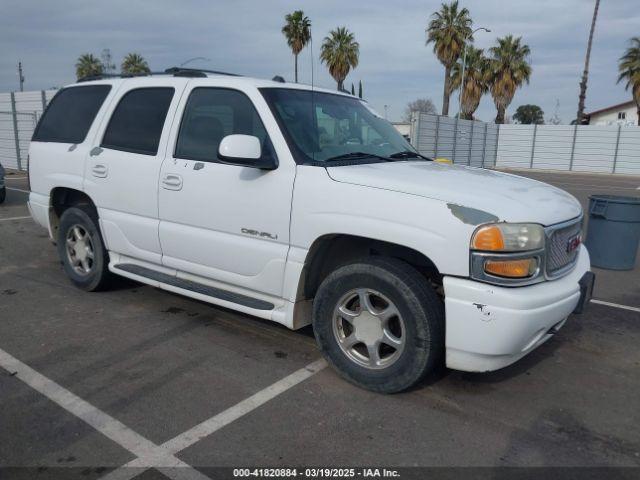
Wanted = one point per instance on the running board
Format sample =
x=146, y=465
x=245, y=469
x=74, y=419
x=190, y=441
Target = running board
x=195, y=287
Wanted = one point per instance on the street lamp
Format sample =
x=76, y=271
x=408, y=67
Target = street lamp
x=464, y=66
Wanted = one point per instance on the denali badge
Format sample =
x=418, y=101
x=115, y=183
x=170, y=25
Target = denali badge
x=256, y=233
x=573, y=243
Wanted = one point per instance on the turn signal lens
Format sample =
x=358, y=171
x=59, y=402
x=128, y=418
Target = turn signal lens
x=488, y=238
x=511, y=268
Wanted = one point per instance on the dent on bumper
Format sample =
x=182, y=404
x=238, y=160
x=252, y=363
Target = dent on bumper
x=490, y=327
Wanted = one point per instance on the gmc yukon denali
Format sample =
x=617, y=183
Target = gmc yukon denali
x=303, y=206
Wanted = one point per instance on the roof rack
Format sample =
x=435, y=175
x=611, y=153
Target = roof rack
x=175, y=71
x=195, y=72
x=102, y=76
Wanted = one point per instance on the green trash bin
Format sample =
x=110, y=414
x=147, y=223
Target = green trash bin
x=614, y=231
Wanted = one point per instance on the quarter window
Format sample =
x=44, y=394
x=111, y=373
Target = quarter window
x=210, y=115
x=137, y=122
x=70, y=114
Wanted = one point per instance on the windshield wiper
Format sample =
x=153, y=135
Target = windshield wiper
x=356, y=155
x=408, y=154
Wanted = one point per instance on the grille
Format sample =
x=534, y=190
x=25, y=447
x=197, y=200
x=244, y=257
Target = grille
x=558, y=241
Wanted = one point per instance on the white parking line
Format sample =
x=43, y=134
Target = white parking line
x=18, y=190
x=150, y=455
x=616, y=305
x=148, y=452
x=13, y=218
x=206, y=428
x=215, y=423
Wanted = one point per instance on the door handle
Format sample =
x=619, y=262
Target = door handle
x=172, y=181
x=100, y=170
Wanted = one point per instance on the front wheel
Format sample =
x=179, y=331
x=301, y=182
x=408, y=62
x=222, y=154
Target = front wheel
x=81, y=249
x=380, y=324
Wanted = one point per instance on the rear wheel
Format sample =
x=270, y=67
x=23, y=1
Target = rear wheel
x=380, y=324
x=81, y=249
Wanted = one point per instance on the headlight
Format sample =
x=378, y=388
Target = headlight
x=508, y=237
x=508, y=253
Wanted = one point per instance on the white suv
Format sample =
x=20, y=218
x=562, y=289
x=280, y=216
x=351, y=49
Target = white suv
x=302, y=206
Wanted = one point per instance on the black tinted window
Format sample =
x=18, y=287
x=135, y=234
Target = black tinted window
x=70, y=114
x=210, y=115
x=137, y=122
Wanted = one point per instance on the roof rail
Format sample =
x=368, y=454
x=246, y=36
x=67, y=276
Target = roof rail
x=175, y=71
x=195, y=72
x=102, y=76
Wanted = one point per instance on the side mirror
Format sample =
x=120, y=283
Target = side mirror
x=244, y=150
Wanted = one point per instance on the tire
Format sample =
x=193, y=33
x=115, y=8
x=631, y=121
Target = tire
x=416, y=324
x=3, y=194
x=86, y=268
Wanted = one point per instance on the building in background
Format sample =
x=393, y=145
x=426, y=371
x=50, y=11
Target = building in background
x=624, y=114
x=404, y=128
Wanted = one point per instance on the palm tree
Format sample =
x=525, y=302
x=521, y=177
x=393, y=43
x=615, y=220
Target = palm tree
x=448, y=30
x=88, y=65
x=585, y=73
x=134, y=64
x=509, y=70
x=298, y=33
x=629, y=68
x=476, y=80
x=340, y=53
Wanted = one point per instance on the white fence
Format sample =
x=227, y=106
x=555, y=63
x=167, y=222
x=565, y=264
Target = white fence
x=467, y=142
x=19, y=114
x=584, y=148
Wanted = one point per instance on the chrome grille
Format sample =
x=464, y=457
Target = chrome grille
x=558, y=238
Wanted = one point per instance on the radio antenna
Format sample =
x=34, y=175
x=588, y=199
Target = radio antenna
x=311, y=48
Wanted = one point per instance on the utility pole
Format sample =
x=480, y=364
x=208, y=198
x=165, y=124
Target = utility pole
x=585, y=73
x=20, y=76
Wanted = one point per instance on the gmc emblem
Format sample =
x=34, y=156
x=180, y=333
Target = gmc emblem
x=573, y=243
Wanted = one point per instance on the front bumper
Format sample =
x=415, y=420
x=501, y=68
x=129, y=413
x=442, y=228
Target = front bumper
x=490, y=327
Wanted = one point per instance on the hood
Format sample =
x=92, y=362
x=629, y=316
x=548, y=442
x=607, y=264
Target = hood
x=485, y=195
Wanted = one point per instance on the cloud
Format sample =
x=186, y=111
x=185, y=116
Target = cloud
x=244, y=36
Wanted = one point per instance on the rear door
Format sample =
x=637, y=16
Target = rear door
x=123, y=166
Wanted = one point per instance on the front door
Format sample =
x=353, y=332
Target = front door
x=224, y=222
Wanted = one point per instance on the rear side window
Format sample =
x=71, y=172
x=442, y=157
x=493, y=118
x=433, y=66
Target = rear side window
x=70, y=114
x=137, y=122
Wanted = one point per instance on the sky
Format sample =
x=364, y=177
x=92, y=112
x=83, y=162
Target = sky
x=395, y=67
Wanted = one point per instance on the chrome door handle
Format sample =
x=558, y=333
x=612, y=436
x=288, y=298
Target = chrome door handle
x=172, y=181
x=100, y=170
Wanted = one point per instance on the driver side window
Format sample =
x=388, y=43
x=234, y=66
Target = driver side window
x=210, y=115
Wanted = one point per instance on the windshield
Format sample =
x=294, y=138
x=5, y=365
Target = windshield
x=323, y=127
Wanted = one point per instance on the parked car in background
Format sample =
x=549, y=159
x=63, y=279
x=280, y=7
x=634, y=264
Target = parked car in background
x=3, y=187
x=301, y=206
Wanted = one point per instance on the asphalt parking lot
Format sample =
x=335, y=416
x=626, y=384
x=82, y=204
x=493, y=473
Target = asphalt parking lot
x=140, y=377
